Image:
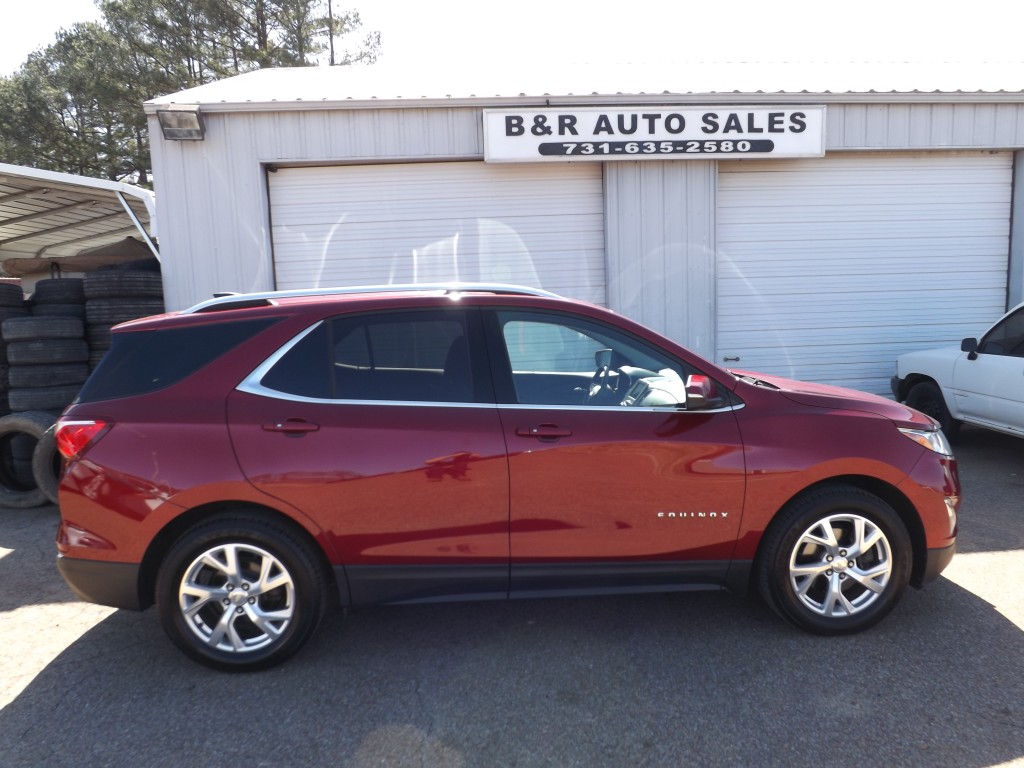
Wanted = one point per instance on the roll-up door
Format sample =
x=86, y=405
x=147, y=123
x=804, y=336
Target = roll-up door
x=536, y=225
x=829, y=269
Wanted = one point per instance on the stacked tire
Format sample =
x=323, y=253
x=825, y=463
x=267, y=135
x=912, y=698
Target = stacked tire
x=12, y=304
x=47, y=364
x=117, y=296
x=16, y=449
x=45, y=358
x=48, y=361
x=63, y=297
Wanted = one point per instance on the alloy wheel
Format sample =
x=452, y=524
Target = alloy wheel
x=840, y=565
x=237, y=598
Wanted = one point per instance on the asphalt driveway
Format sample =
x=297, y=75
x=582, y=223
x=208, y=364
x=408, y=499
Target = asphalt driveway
x=666, y=680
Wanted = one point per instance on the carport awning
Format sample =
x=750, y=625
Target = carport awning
x=47, y=215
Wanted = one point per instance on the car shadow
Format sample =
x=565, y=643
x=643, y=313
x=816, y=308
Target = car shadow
x=658, y=680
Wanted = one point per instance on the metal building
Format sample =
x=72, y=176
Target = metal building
x=813, y=234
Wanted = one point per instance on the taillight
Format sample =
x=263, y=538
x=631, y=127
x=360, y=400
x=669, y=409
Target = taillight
x=73, y=437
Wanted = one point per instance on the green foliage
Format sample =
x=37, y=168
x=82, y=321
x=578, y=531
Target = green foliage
x=76, y=106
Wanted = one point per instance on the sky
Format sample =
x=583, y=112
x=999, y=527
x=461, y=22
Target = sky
x=532, y=33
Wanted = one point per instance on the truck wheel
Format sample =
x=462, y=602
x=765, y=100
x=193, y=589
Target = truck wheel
x=926, y=397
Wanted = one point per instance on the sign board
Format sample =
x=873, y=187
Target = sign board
x=651, y=133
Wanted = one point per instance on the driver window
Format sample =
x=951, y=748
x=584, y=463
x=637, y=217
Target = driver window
x=534, y=346
x=1007, y=338
x=563, y=360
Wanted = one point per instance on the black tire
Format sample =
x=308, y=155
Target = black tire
x=20, y=311
x=11, y=295
x=98, y=336
x=49, y=351
x=113, y=284
x=48, y=464
x=113, y=311
x=43, y=398
x=151, y=264
x=19, y=435
x=34, y=328
x=59, y=290
x=821, y=589
x=926, y=397
x=255, y=538
x=59, y=310
x=58, y=374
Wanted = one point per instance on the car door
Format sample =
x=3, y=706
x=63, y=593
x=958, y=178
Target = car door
x=613, y=483
x=379, y=427
x=989, y=383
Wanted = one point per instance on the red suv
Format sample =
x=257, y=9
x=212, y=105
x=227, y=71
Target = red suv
x=242, y=463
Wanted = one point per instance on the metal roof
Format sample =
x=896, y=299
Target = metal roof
x=46, y=214
x=378, y=85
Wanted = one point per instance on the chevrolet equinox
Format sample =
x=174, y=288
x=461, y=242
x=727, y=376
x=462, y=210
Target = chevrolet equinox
x=248, y=462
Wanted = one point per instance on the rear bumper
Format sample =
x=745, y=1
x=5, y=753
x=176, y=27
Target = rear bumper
x=936, y=561
x=96, y=581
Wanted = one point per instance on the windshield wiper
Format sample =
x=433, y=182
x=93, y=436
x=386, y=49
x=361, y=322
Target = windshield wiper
x=758, y=382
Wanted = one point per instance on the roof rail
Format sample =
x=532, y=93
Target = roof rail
x=224, y=301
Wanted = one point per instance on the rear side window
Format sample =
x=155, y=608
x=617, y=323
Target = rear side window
x=413, y=356
x=140, y=362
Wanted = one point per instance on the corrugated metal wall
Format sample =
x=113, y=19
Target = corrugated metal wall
x=531, y=224
x=213, y=194
x=214, y=204
x=830, y=269
x=661, y=247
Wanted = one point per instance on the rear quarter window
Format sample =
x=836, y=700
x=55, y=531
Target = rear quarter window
x=140, y=362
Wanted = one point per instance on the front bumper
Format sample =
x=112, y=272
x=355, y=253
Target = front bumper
x=935, y=563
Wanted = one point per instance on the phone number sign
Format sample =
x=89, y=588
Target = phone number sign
x=521, y=136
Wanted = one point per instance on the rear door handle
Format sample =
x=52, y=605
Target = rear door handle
x=544, y=432
x=291, y=427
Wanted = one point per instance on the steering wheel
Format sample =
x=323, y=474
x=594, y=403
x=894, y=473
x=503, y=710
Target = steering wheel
x=603, y=387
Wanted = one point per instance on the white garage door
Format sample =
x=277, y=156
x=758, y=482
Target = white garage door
x=536, y=225
x=828, y=269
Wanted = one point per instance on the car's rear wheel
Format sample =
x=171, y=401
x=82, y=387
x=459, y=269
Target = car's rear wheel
x=926, y=397
x=835, y=561
x=240, y=592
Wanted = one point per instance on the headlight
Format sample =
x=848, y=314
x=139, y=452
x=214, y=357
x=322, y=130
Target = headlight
x=933, y=440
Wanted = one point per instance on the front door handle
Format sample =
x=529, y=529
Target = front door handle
x=544, y=432
x=291, y=427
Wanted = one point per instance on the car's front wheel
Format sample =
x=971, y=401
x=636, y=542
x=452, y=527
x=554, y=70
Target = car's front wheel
x=240, y=592
x=835, y=561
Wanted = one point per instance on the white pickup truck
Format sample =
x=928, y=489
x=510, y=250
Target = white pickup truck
x=980, y=383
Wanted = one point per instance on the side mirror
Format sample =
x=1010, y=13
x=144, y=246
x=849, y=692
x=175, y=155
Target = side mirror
x=702, y=393
x=970, y=346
